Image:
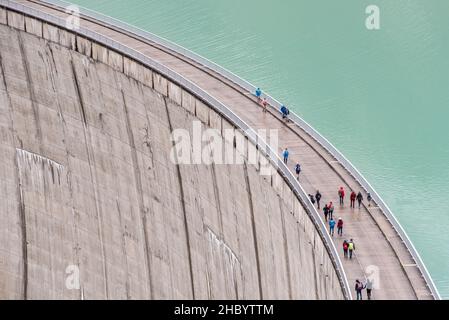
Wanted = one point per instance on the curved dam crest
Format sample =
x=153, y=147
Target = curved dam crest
x=87, y=180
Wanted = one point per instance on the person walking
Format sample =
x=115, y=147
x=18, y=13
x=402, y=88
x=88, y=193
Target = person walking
x=369, y=288
x=351, y=248
x=340, y=227
x=264, y=105
x=285, y=155
x=285, y=112
x=258, y=94
x=345, y=248
x=331, y=209
x=341, y=195
x=298, y=169
x=369, y=198
x=358, y=289
x=331, y=226
x=318, y=198
x=312, y=199
x=359, y=198
x=325, y=211
x=352, y=198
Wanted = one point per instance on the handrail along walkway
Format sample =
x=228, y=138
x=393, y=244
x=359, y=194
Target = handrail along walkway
x=249, y=132
x=302, y=124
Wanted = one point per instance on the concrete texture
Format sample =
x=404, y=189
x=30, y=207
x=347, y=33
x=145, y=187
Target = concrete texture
x=86, y=180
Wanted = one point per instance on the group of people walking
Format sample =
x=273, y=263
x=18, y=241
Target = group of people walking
x=352, y=197
x=264, y=104
x=359, y=287
x=328, y=209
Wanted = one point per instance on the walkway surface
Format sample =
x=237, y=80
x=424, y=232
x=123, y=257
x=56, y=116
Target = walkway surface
x=379, y=249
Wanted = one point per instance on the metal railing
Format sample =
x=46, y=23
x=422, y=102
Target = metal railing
x=252, y=136
x=347, y=165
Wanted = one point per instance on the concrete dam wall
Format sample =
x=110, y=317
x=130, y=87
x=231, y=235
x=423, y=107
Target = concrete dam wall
x=92, y=207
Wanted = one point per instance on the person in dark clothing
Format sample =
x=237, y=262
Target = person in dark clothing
x=325, y=211
x=285, y=112
x=369, y=198
x=318, y=198
x=352, y=198
x=359, y=198
x=358, y=289
x=298, y=169
x=341, y=195
x=340, y=227
x=312, y=199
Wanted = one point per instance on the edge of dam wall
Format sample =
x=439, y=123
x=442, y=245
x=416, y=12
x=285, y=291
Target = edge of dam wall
x=197, y=108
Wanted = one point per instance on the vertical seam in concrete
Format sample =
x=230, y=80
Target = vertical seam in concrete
x=253, y=225
x=78, y=93
x=97, y=209
x=238, y=242
x=217, y=199
x=123, y=245
x=220, y=219
x=147, y=142
x=139, y=189
x=314, y=269
x=181, y=189
x=22, y=216
x=300, y=259
x=23, y=225
x=31, y=90
x=53, y=69
x=284, y=233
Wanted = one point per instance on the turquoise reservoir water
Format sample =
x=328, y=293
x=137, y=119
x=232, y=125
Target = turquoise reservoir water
x=382, y=97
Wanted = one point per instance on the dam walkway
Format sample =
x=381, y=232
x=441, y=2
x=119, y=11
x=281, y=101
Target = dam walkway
x=380, y=250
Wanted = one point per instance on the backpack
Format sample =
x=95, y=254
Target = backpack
x=345, y=246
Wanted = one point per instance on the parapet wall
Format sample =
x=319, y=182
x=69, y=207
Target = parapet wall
x=87, y=184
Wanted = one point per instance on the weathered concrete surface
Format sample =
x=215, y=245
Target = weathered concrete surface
x=86, y=180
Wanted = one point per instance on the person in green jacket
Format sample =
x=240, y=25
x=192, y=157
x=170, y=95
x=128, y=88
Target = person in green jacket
x=351, y=248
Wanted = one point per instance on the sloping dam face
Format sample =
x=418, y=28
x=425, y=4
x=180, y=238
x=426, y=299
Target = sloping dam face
x=93, y=207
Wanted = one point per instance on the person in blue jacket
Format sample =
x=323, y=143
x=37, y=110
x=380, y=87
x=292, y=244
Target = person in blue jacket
x=258, y=94
x=285, y=112
x=331, y=226
x=285, y=155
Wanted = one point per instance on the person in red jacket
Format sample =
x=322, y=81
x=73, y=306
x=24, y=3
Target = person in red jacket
x=331, y=210
x=340, y=227
x=352, y=197
x=341, y=195
x=345, y=248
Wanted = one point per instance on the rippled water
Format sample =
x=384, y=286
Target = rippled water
x=381, y=97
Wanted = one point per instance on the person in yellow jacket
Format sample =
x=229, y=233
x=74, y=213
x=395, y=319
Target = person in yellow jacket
x=351, y=248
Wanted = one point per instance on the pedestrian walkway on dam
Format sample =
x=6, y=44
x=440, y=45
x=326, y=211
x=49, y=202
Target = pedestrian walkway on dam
x=379, y=249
